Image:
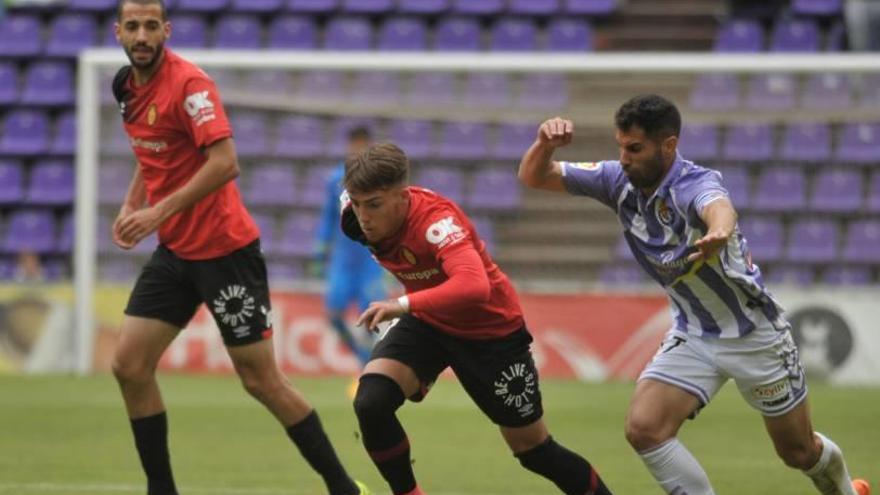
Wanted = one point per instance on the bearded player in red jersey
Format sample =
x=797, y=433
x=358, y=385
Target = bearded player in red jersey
x=209, y=248
x=459, y=311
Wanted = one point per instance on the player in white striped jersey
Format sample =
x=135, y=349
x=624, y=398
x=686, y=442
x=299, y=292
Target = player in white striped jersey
x=681, y=227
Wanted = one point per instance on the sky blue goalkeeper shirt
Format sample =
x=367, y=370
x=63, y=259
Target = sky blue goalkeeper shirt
x=722, y=298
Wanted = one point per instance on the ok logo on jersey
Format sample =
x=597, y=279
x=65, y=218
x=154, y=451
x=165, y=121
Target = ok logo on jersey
x=444, y=232
x=199, y=107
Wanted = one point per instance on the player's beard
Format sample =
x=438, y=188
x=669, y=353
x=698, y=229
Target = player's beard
x=149, y=64
x=649, y=175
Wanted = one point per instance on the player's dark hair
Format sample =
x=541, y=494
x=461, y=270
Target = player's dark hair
x=654, y=114
x=122, y=3
x=380, y=166
x=359, y=132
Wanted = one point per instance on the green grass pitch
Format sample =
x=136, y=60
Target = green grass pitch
x=67, y=435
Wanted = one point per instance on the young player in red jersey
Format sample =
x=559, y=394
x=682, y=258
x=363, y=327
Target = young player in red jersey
x=209, y=248
x=459, y=311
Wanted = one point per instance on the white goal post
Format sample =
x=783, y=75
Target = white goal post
x=94, y=62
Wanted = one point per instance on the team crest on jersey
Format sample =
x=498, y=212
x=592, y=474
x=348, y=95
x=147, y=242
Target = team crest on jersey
x=408, y=256
x=152, y=114
x=587, y=165
x=664, y=213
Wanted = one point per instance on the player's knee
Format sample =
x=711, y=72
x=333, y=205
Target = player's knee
x=644, y=434
x=261, y=385
x=131, y=370
x=377, y=396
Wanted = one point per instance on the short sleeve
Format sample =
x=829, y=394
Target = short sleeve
x=699, y=188
x=202, y=112
x=598, y=180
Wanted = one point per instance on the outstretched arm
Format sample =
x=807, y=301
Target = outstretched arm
x=220, y=168
x=537, y=168
x=720, y=219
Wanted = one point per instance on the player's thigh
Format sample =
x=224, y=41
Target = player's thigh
x=500, y=376
x=657, y=411
x=235, y=288
x=141, y=344
x=767, y=370
x=410, y=354
x=163, y=291
x=255, y=360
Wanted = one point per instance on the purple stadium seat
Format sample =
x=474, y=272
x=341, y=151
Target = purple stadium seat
x=414, y=136
x=11, y=182
x=118, y=143
x=293, y=32
x=748, y=142
x=113, y=181
x=118, y=270
x=298, y=235
x=836, y=39
x=258, y=6
x=737, y=182
x=870, y=90
x=375, y=88
x=312, y=6
x=429, y=7
x=321, y=86
x=273, y=184
x=771, y=92
x=740, y=36
x=813, y=241
x=513, y=34
x=299, y=137
x=369, y=7
x=64, y=141
x=251, y=133
x=313, y=191
x=862, y=239
x=847, y=275
x=268, y=231
x=496, y=189
x=512, y=140
x=238, y=31
x=445, y=181
x=486, y=230
x=545, y=91
x=348, y=33
x=487, y=89
x=798, y=275
x=873, y=204
x=622, y=274
x=94, y=5
x=190, y=31
x=827, y=91
x=48, y=83
x=806, y=142
x=432, y=89
x=70, y=33
x=859, y=143
x=478, y=7
x=284, y=272
x=458, y=34
x=403, y=34
x=715, y=92
x=780, y=188
x=202, y=5
x=65, y=237
x=699, y=142
x=8, y=83
x=30, y=230
x=817, y=7
x=51, y=183
x=838, y=191
x=795, y=35
x=764, y=237
x=569, y=35
x=622, y=252
x=22, y=36
x=340, y=129
x=269, y=82
x=463, y=141
x=590, y=7
x=534, y=7
x=25, y=132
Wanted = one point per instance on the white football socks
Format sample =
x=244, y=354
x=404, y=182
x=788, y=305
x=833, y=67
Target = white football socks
x=829, y=474
x=676, y=469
